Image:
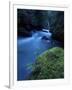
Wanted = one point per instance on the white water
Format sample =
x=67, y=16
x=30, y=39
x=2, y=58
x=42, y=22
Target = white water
x=36, y=35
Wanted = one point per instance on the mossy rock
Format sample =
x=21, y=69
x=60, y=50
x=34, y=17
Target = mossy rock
x=49, y=65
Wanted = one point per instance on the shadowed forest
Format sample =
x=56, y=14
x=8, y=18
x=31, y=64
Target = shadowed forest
x=40, y=44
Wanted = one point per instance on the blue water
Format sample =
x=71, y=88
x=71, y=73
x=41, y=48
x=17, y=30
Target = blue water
x=29, y=48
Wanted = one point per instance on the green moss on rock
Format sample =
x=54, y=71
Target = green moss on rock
x=49, y=65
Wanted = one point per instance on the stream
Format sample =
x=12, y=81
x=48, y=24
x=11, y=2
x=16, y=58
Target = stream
x=29, y=48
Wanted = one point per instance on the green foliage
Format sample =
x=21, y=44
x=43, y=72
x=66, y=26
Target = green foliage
x=56, y=21
x=49, y=65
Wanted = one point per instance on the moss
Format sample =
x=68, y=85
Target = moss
x=49, y=65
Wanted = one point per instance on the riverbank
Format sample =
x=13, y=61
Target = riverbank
x=49, y=65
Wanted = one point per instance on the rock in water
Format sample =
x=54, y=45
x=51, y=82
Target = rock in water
x=45, y=38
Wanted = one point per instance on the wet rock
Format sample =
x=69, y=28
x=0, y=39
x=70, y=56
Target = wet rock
x=45, y=38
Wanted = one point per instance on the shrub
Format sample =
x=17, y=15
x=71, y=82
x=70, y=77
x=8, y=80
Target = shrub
x=49, y=65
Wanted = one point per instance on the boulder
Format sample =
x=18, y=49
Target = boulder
x=45, y=38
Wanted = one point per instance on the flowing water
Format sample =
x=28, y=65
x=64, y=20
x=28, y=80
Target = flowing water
x=29, y=48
